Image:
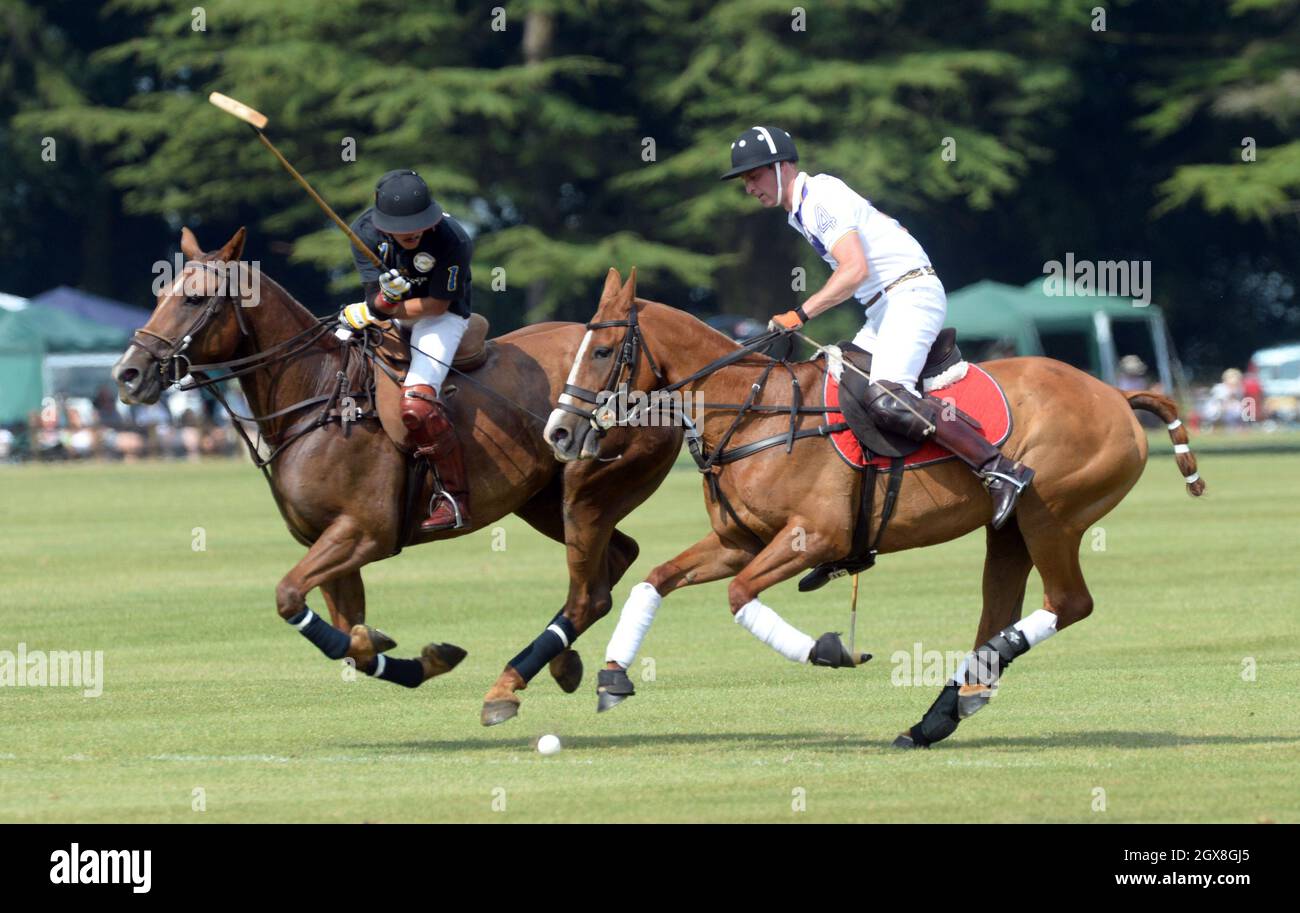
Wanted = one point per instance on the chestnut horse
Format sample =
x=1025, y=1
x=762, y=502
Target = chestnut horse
x=790, y=512
x=340, y=484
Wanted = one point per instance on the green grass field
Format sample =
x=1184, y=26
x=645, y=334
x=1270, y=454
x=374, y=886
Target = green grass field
x=206, y=688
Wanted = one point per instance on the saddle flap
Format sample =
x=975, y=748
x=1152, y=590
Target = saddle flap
x=472, y=351
x=395, y=349
x=853, y=396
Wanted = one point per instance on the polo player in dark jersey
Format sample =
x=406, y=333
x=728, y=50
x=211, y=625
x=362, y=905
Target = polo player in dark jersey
x=426, y=288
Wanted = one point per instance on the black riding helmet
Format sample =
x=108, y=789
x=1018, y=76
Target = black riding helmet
x=760, y=146
x=403, y=204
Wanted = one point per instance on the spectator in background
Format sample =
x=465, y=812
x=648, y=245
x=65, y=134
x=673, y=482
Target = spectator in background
x=1252, y=405
x=1132, y=374
x=79, y=437
x=155, y=423
x=44, y=424
x=1224, y=407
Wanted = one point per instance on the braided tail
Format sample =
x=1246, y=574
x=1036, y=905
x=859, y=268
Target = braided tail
x=1164, y=407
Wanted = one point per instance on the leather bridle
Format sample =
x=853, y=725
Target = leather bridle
x=174, y=366
x=601, y=416
x=170, y=353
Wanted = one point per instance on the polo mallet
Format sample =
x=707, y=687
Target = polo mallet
x=853, y=621
x=257, y=121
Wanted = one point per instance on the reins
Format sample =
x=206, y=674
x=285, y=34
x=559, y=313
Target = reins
x=174, y=366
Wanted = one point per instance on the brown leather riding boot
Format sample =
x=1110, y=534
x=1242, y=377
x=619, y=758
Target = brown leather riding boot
x=425, y=417
x=1004, y=478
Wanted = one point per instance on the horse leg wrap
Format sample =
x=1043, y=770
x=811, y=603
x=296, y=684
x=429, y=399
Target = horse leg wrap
x=633, y=624
x=406, y=672
x=979, y=673
x=986, y=664
x=775, y=631
x=940, y=721
x=331, y=641
x=558, y=637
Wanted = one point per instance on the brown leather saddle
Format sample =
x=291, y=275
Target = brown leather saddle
x=395, y=353
x=470, y=354
x=854, y=392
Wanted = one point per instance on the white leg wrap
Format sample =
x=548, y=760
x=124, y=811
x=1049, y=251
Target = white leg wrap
x=774, y=631
x=1038, y=626
x=633, y=624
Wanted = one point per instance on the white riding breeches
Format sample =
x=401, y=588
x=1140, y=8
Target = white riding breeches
x=433, y=346
x=901, y=328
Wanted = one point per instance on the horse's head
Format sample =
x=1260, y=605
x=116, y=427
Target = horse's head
x=196, y=319
x=613, y=354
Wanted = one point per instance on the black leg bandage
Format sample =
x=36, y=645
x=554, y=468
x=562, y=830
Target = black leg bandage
x=985, y=666
x=557, y=637
x=940, y=721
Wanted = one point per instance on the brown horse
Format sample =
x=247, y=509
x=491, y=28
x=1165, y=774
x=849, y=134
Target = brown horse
x=340, y=484
x=790, y=512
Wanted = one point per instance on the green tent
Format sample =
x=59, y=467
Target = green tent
x=989, y=312
x=27, y=336
x=21, y=352
x=1092, y=319
x=64, y=332
x=1078, y=329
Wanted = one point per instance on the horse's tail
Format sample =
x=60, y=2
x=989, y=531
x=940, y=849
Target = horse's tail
x=1164, y=407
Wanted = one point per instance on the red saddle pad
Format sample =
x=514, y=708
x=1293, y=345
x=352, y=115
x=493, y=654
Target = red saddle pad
x=977, y=394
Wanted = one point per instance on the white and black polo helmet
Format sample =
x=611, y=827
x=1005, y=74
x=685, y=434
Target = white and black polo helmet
x=760, y=146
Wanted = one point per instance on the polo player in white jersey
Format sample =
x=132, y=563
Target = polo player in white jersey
x=876, y=261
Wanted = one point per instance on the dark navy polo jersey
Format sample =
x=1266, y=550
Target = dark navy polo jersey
x=438, y=267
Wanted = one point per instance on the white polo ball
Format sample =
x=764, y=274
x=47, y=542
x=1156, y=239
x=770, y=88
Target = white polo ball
x=548, y=744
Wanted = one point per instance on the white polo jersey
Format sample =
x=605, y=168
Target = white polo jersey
x=826, y=209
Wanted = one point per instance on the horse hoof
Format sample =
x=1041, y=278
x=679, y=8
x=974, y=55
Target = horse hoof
x=830, y=651
x=905, y=740
x=971, y=699
x=613, y=687
x=439, y=659
x=373, y=642
x=496, y=712
x=381, y=641
x=566, y=669
x=606, y=701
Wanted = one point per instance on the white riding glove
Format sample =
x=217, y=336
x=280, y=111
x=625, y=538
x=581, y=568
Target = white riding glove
x=394, y=285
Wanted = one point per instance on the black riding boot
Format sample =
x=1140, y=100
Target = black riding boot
x=1005, y=479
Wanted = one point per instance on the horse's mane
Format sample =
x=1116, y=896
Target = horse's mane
x=755, y=360
x=357, y=369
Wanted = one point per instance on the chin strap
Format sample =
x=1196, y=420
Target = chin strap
x=780, y=197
